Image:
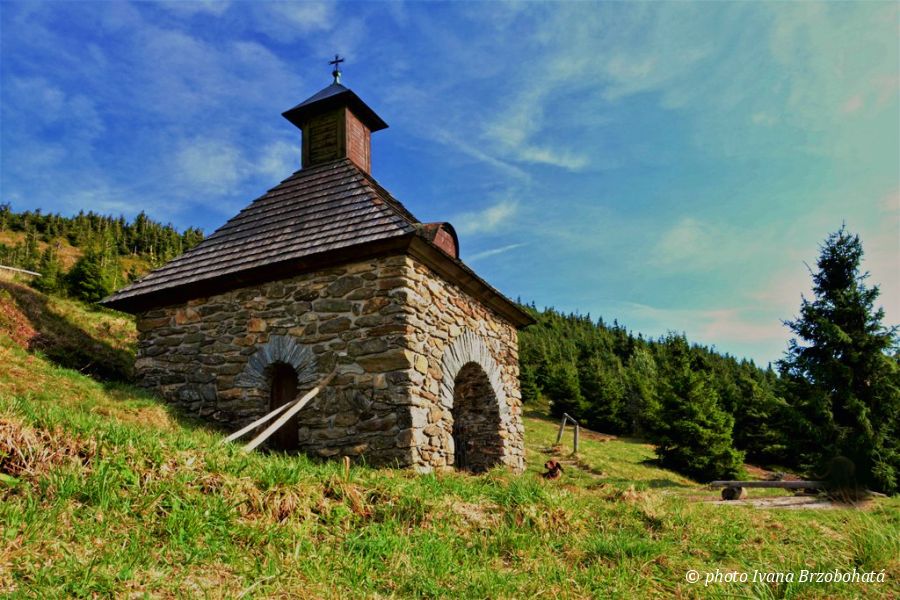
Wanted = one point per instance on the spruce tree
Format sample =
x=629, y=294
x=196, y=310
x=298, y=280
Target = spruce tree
x=51, y=270
x=565, y=392
x=603, y=389
x=841, y=371
x=528, y=384
x=88, y=279
x=642, y=403
x=693, y=435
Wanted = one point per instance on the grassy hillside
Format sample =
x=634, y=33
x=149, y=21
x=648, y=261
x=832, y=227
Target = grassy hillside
x=69, y=254
x=104, y=491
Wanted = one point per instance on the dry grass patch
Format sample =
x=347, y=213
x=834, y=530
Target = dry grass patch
x=475, y=516
x=28, y=453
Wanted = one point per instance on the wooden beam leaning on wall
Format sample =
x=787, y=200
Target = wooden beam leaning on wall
x=289, y=410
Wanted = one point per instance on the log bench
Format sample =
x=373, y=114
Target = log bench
x=735, y=490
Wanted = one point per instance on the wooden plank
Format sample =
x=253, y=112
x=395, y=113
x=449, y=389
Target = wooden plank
x=295, y=408
x=14, y=269
x=800, y=485
x=264, y=419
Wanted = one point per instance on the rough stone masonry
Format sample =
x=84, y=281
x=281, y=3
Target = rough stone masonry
x=420, y=356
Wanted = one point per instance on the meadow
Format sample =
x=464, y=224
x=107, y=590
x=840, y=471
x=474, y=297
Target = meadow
x=104, y=491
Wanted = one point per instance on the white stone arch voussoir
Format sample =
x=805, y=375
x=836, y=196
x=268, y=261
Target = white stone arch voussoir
x=279, y=349
x=470, y=347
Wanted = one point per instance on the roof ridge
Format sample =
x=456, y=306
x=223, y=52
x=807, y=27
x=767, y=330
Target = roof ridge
x=389, y=199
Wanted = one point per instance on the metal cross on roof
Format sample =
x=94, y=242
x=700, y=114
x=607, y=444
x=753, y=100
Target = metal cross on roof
x=337, y=69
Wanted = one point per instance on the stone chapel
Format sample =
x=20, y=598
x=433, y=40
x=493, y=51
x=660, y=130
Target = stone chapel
x=327, y=272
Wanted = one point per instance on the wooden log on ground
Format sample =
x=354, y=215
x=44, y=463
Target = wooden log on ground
x=790, y=485
x=733, y=493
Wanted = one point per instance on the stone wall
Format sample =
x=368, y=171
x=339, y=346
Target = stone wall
x=399, y=337
x=200, y=355
x=450, y=330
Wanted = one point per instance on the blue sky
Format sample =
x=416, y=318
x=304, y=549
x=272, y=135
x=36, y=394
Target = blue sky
x=671, y=165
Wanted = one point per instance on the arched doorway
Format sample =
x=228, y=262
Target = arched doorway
x=283, y=389
x=477, y=445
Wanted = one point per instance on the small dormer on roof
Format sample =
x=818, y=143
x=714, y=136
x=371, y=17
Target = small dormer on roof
x=336, y=124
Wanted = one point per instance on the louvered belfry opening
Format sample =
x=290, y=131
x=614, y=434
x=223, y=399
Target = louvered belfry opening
x=336, y=124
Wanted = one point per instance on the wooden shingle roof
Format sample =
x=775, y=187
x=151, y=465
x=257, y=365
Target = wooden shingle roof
x=319, y=216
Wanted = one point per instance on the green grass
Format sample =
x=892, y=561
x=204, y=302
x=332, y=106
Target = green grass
x=107, y=493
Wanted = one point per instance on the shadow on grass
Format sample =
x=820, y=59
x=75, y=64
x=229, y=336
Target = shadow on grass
x=66, y=344
x=539, y=413
x=649, y=483
x=122, y=391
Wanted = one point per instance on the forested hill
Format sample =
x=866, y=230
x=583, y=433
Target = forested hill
x=88, y=255
x=616, y=382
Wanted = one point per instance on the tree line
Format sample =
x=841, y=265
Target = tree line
x=113, y=250
x=835, y=392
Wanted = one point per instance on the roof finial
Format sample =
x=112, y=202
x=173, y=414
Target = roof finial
x=337, y=69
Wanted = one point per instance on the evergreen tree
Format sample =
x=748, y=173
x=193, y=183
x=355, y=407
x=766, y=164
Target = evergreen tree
x=51, y=270
x=32, y=255
x=620, y=376
x=603, y=390
x=528, y=384
x=642, y=402
x=842, y=374
x=693, y=435
x=88, y=280
x=762, y=420
x=110, y=238
x=5, y=216
x=565, y=392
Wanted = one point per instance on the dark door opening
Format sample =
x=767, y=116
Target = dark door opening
x=284, y=390
x=476, y=421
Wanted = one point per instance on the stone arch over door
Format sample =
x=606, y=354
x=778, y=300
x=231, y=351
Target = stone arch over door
x=279, y=349
x=472, y=390
x=273, y=374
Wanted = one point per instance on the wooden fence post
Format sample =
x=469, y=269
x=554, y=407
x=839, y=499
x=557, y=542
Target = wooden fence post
x=562, y=426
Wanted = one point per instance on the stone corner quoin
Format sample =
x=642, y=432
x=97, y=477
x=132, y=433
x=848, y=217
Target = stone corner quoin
x=427, y=375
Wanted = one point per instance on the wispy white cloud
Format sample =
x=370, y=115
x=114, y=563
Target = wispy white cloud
x=478, y=154
x=277, y=160
x=487, y=220
x=214, y=166
x=853, y=104
x=515, y=132
x=289, y=21
x=890, y=202
x=36, y=103
x=493, y=252
x=193, y=7
x=692, y=244
x=713, y=326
